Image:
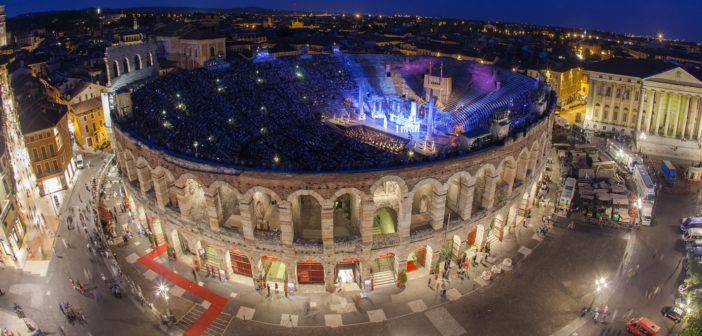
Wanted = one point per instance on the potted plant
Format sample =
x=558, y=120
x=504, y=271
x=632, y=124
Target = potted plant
x=403, y=279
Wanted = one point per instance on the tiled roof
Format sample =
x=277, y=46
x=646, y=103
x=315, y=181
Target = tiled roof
x=641, y=68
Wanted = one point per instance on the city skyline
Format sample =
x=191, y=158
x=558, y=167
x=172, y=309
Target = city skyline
x=676, y=20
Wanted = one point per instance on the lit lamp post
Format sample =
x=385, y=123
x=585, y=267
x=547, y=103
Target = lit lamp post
x=600, y=285
x=163, y=291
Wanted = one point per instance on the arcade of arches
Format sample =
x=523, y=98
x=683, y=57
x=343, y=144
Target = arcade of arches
x=352, y=238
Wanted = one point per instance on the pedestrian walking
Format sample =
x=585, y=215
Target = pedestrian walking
x=429, y=282
x=194, y=275
x=65, y=245
x=269, y=291
x=276, y=288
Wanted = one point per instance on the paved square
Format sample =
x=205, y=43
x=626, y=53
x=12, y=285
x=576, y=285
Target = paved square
x=524, y=250
x=377, y=315
x=332, y=320
x=288, y=320
x=149, y=274
x=200, y=283
x=536, y=237
x=205, y=304
x=232, y=295
x=480, y=281
x=417, y=306
x=245, y=313
x=444, y=322
x=177, y=291
x=132, y=258
x=453, y=294
x=137, y=243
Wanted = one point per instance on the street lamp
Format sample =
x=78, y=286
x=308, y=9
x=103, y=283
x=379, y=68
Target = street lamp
x=163, y=291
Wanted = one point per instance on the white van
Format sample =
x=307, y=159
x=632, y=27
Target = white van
x=79, y=161
x=691, y=222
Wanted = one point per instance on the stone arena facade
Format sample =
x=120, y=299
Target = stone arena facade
x=307, y=231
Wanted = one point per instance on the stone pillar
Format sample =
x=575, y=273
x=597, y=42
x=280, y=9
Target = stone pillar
x=667, y=115
x=590, y=101
x=677, y=116
x=286, y=225
x=246, y=224
x=225, y=263
x=130, y=169
x=437, y=209
x=404, y=217
x=367, y=219
x=685, y=128
x=291, y=268
x=660, y=111
x=479, y=236
x=465, y=199
x=639, y=126
x=183, y=201
x=364, y=265
x=160, y=183
x=510, y=174
x=649, y=115
x=144, y=177
x=522, y=164
x=329, y=280
x=328, y=225
x=531, y=166
x=610, y=117
x=489, y=192
x=214, y=210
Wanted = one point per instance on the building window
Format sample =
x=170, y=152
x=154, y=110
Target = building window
x=137, y=62
x=87, y=129
x=46, y=165
x=605, y=114
x=39, y=170
x=40, y=136
x=56, y=168
x=4, y=184
x=624, y=117
x=125, y=65
x=636, y=95
x=93, y=127
x=85, y=118
x=618, y=93
x=31, y=138
x=608, y=92
x=51, y=149
x=115, y=69
x=149, y=60
x=36, y=156
x=614, y=115
x=212, y=54
x=43, y=152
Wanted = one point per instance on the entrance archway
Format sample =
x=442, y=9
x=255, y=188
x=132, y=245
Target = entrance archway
x=383, y=270
x=273, y=271
x=310, y=271
x=264, y=213
x=449, y=249
x=419, y=260
x=421, y=206
x=347, y=210
x=347, y=274
x=307, y=218
x=384, y=221
x=240, y=263
x=209, y=257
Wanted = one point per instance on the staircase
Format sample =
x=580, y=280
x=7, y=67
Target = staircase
x=190, y=317
x=376, y=229
x=383, y=272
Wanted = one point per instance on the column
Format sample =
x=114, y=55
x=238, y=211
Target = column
x=602, y=103
x=404, y=219
x=286, y=227
x=640, y=127
x=130, y=169
x=660, y=111
x=328, y=225
x=509, y=176
x=522, y=164
x=649, y=114
x=367, y=209
x=246, y=225
x=677, y=116
x=465, y=199
x=183, y=201
x=684, y=123
x=214, y=210
x=161, y=189
x=699, y=118
x=489, y=192
x=589, y=114
x=437, y=209
x=144, y=177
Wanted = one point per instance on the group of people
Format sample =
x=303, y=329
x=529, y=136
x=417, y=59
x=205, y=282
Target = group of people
x=377, y=139
x=254, y=114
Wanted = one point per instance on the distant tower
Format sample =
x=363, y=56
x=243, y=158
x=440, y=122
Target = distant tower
x=3, y=32
x=135, y=25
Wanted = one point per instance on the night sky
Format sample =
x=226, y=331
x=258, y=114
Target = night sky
x=674, y=18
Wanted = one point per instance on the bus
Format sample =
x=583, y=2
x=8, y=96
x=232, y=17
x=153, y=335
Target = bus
x=566, y=195
x=622, y=155
x=645, y=193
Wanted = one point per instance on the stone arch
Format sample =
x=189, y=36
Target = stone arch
x=164, y=181
x=522, y=165
x=385, y=220
x=389, y=192
x=427, y=204
x=347, y=215
x=403, y=189
x=125, y=65
x=226, y=204
x=459, y=195
x=497, y=227
x=149, y=59
x=137, y=62
x=506, y=172
x=306, y=209
x=263, y=208
x=309, y=271
x=191, y=198
x=484, y=188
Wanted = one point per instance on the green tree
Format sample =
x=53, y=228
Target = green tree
x=694, y=325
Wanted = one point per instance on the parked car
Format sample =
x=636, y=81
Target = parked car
x=79, y=161
x=642, y=326
x=674, y=313
x=691, y=222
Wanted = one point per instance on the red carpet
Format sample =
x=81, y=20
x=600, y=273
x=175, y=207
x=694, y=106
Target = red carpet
x=411, y=267
x=217, y=302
